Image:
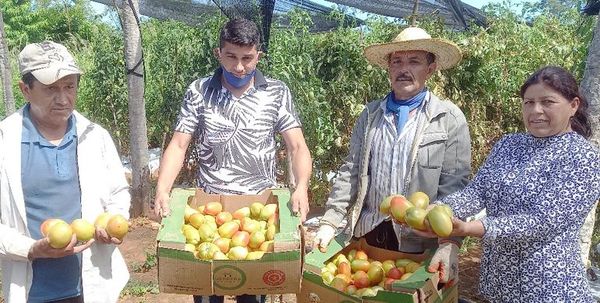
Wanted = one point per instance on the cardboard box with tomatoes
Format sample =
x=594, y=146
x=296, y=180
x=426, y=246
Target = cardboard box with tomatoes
x=197, y=256
x=368, y=278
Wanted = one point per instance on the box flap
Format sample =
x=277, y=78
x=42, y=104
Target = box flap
x=170, y=232
x=288, y=236
x=449, y=295
x=316, y=258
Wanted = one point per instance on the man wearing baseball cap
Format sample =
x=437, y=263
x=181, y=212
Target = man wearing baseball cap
x=55, y=163
x=409, y=141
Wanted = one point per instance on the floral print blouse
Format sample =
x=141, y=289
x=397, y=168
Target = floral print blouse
x=537, y=193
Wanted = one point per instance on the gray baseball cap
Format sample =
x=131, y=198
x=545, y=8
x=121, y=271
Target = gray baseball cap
x=47, y=61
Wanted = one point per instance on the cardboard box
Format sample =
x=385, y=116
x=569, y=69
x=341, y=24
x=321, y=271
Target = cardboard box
x=276, y=273
x=421, y=287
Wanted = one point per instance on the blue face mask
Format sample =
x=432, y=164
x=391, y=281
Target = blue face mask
x=235, y=81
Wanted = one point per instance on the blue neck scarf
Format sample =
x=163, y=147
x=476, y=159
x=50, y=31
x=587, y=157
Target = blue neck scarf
x=235, y=81
x=401, y=108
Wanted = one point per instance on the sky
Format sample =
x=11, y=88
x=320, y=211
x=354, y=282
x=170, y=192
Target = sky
x=475, y=3
x=479, y=3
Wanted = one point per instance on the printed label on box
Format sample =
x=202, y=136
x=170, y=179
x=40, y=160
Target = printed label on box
x=228, y=277
x=274, y=277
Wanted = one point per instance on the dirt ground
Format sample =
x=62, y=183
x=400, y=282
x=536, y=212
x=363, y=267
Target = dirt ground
x=139, y=247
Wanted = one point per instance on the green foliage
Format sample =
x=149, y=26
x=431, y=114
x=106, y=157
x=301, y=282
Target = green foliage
x=328, y=76
x=148, y=264
x=496, y=61
x=19, y=22
x=565, y=10
x=103, y=90
x=136, y=288
x=330, y=82
x=34, y=21
x=326, y=72
x=174, y=55
x=595, y=253
x=467, y=244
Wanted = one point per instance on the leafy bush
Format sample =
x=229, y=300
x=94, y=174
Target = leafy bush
x=174, y=55
x=103, y=89
x=330, y=81
x=497, y=61
x=329, y=78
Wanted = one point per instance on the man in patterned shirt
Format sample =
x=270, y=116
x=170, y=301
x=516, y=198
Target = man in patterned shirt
x=233, y=116
x=408, y=141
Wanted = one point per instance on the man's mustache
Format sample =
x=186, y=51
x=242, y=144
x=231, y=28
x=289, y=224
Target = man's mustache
x=404, y=77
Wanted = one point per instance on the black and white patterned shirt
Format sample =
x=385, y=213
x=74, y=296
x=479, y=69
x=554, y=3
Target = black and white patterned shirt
x=235, y=137
x=537, y=192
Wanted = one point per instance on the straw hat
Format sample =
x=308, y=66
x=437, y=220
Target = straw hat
x=447, y=53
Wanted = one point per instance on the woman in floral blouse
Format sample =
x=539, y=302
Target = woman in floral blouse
x=537, y=188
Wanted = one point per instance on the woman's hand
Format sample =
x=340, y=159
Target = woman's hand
x=428, y=233
x=460, y=228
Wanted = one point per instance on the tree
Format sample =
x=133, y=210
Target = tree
x=591, y=83
x=138, y=137
x=589, y=88
x=9, y=98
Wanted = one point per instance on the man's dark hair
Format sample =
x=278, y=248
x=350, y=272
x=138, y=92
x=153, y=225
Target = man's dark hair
x=240, y=31
x=430, y=58
x=28, y=79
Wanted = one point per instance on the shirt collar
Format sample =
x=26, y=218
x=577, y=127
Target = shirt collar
x=30, y=133
x=260, y=82
x=383, y=105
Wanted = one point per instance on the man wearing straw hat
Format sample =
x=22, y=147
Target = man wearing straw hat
x=409, y=141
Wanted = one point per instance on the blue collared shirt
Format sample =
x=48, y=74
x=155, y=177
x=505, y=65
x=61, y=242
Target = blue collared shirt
x=51, y=189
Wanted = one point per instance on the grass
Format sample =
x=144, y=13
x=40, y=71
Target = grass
x=150, y=262
x=138, y=289
x=133, y=288
x=467, y=244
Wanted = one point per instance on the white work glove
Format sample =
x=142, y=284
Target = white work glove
x=324, y=236
x=445, y=260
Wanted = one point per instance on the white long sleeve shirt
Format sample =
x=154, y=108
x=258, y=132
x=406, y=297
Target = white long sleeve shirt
x=103, y=189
